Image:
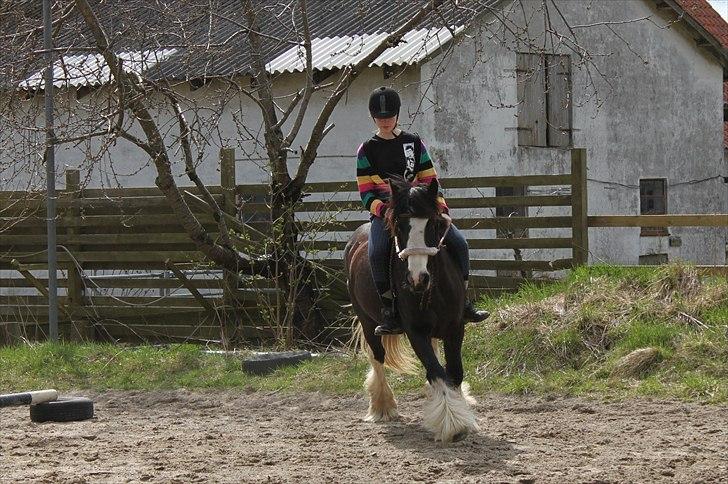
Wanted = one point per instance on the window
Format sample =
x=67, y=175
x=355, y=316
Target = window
x=544, y=100
x=252, y=217
x=199, y=83
x=653, y=201
x=653, y=259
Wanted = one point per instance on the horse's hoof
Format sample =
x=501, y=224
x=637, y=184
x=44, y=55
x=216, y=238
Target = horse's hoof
x=379, y=417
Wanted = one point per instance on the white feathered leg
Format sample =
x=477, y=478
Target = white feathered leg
x=447, y=413
x=382, y=405
x=465, y=392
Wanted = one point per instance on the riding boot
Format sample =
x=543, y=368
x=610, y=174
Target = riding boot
x=472, y=314
x=389, y=323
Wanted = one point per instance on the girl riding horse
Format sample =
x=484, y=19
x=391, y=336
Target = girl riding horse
x=393, y=152
x=428, y=269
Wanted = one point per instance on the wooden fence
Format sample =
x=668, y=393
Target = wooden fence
x=666, y=221
x=105, y=236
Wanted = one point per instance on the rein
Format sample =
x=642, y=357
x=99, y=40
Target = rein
x=426, y=298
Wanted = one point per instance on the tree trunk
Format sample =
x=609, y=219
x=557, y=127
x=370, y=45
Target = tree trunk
x=300, y=316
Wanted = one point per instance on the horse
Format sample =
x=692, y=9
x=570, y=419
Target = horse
x=429, y=294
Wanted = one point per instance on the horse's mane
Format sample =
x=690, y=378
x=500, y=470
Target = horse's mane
x=415, y=201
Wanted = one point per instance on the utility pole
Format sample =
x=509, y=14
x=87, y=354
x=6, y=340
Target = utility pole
x=50, y=175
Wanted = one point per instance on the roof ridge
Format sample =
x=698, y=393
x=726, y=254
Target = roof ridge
x=704, y=13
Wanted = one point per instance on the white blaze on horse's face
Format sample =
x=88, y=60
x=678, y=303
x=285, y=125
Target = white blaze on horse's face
x=417, y=263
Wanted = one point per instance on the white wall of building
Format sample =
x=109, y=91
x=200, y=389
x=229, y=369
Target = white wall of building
x=659, y=115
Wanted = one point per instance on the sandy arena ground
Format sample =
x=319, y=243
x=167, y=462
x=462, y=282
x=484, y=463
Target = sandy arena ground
x=183, y=436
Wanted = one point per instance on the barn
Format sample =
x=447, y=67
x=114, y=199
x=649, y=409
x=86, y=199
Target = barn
x=491, y=87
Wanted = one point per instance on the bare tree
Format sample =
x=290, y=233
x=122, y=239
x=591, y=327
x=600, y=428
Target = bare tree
x=135, y=101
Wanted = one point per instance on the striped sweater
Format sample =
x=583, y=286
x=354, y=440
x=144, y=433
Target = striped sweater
x=378, y=159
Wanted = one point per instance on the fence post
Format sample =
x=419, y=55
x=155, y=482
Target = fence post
x=579, y=208
x=227, y=179
x=80, y=329
x=230, y=279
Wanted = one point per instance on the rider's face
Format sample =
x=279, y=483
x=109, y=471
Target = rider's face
x=386, y=125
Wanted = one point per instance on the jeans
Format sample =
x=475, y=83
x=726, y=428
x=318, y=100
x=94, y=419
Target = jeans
x=380, y=246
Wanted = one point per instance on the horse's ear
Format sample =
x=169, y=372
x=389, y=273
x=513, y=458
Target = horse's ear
x=433, y=189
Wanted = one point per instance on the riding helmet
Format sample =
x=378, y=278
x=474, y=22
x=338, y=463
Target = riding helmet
x=384, y=103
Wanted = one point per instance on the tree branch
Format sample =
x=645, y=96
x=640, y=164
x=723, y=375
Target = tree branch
x=156, y=149
x=289, y=110
x=351, y=73
x=309, y=78
x=273, y=135
x=184, y=133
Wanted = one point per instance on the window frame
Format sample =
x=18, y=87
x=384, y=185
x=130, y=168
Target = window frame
x=653, y=231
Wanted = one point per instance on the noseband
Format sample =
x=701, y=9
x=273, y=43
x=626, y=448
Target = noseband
x=428, y=251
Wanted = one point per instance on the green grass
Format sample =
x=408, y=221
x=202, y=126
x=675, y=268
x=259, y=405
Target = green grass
x=609, y=312
x=106, y=366
x=563, y=338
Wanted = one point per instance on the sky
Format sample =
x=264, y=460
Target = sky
x=721, y=6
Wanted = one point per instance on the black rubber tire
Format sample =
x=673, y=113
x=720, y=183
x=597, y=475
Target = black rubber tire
x=65, y=409
x=264, y=363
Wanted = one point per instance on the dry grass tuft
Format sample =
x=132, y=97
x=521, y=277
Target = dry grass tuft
x=598, y=307
x=680, y=294
x=675, y=282
x=636, y=363
x=533, y=314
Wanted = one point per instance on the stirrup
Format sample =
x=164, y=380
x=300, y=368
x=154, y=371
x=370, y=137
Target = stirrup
x=383, y=329
x=389, y=323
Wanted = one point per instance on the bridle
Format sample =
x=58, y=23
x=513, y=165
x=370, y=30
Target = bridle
x=403, y=254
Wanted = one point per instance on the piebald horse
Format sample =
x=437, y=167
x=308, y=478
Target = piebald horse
x=429, y=291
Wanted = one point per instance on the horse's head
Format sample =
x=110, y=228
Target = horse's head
x=408, y=220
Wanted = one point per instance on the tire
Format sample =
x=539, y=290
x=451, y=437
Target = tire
x=67, y=409
x=263, y=363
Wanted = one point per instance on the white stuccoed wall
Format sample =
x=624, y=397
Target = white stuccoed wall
x=662, y=118
x=131, y=166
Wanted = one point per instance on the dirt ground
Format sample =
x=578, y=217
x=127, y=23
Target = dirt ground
x=183, y=436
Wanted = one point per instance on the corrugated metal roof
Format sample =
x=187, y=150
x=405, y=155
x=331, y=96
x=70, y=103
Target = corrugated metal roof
x=210, y=41
x=92, y=70
x=327, y=54
x=207, y=33
x=338, y=52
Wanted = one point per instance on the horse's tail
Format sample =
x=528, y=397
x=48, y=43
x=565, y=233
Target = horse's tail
x=397, y=355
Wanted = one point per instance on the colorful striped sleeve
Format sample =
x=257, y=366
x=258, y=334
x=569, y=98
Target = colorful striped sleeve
x=367, y=181
x=426, y=173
